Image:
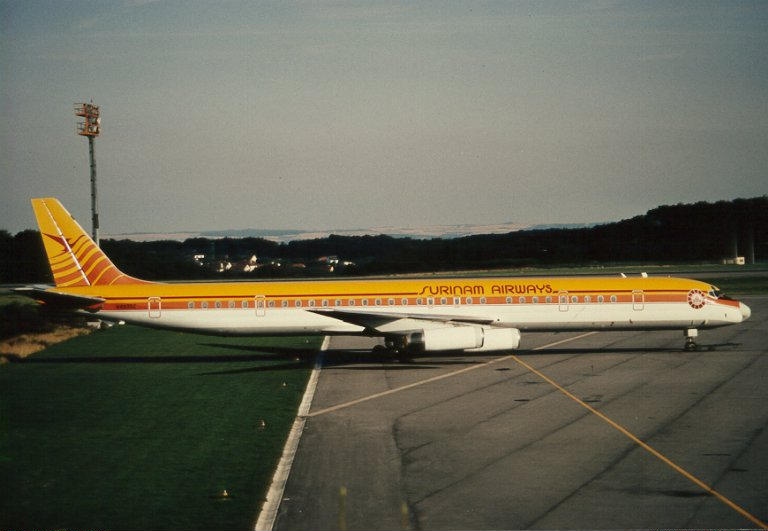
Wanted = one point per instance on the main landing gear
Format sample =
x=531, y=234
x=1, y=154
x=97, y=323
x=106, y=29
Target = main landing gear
x=690, y=339
x=395, y=348
x=391, y=354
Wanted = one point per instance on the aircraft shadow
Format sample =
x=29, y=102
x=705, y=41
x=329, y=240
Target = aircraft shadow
x=295, y=358
x=368, y=360
x=630, y=350
x=348, y=359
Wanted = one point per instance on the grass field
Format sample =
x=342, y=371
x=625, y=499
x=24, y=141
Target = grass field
x=132, y=428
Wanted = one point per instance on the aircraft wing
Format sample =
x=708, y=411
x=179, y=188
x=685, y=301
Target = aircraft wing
x=57, y=299
x=386, y=322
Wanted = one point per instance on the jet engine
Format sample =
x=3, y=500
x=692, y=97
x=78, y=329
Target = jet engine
x=470, y=338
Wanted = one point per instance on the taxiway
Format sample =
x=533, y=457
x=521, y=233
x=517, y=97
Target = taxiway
x=597, y=430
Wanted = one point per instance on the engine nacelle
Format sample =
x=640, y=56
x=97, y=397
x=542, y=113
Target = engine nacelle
x=471, y=338
x=499, y=339
x=448, y=338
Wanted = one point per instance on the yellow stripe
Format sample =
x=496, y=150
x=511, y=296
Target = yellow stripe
x=646, y=447
x=88, y=254
x=96, y=264
x=411, y=288
x=75, y=282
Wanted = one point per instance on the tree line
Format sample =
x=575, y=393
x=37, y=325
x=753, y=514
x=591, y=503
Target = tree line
x=682, y=233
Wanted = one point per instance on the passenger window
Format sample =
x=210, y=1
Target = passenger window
x=191, y=305
x=404, y=302
x=521, y=300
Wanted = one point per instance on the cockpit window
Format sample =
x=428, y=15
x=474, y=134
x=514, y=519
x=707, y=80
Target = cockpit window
x=715, y=292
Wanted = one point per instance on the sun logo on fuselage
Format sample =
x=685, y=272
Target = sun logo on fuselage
x=696, y=299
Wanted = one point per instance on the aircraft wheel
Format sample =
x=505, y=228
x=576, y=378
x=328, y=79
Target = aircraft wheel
x=690, y=339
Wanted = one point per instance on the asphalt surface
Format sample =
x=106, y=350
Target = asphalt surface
x=484, y=442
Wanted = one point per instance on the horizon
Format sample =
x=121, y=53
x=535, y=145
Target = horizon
x=417, y=233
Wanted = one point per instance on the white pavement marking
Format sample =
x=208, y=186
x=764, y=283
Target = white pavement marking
x=345, y=405
x=268, y=512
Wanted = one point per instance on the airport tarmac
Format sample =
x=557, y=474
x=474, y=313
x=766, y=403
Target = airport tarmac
x=610, y=430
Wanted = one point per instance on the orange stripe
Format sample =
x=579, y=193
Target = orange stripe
x=76, y=282
x=108, y=274
x=92, y=263
x=65, y=269
x=78, y=244
x=97, y=266
x=63, y=258
x=70, y=278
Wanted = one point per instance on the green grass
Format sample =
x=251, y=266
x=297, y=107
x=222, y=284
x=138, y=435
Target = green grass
x=7, y=298
x=133, y=428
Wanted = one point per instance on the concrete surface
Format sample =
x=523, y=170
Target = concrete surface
x=494, y=446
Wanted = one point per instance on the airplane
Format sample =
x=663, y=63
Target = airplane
x=412, y=315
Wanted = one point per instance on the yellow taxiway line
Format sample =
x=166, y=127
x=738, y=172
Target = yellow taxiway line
x=624, y=431
x=351, y=403
x=645, y=446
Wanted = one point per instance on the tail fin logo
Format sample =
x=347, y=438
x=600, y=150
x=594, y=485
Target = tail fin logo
x=82, y=263
x=74, y=257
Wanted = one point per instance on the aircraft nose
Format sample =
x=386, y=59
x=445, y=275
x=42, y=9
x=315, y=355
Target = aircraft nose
x=745, y=311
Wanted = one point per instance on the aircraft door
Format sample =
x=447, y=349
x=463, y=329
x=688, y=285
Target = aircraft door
x=154, y=306
x=260, y=303
x=638, y=300
x=562, y=301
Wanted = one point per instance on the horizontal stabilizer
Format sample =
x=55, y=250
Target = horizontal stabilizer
x=58, y=300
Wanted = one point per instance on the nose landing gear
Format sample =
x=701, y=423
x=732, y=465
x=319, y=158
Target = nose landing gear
x=690, y=339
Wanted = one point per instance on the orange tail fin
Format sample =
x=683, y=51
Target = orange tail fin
x=74, y=257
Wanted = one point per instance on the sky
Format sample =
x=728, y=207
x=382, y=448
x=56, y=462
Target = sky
x=320, y=114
